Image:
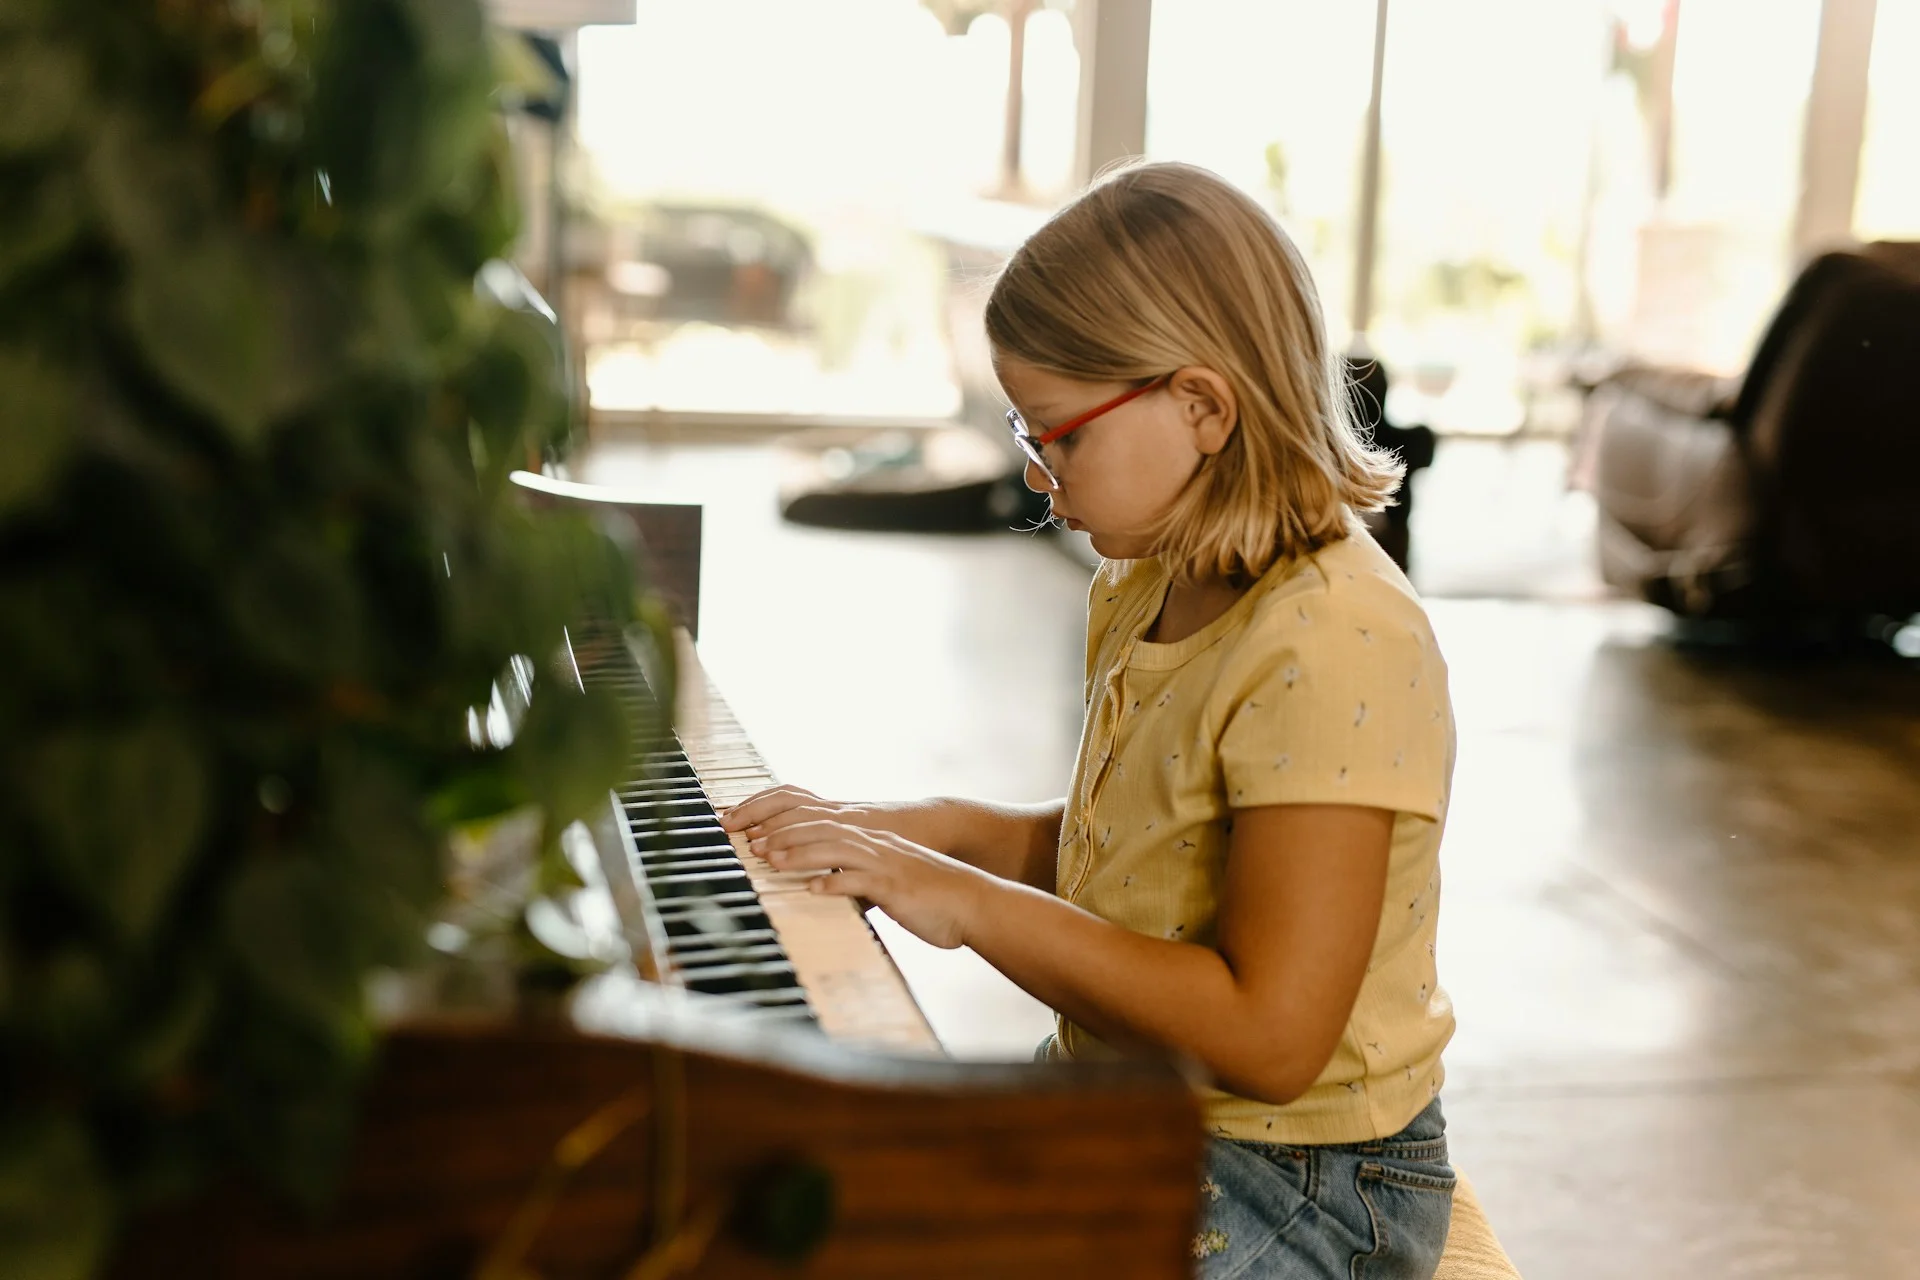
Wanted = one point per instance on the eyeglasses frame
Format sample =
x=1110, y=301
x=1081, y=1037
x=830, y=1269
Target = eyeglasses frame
x=1031, y=444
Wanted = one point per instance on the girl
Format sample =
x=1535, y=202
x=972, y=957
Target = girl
x=1245, y=868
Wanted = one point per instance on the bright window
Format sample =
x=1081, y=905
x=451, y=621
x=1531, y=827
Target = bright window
x=758, y=182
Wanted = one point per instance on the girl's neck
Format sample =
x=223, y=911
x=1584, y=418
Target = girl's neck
x=1190, y=606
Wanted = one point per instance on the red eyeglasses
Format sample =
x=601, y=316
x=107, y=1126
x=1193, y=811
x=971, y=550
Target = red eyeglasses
x=1031, y=444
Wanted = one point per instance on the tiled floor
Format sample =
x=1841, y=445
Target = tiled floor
x=1682, y=924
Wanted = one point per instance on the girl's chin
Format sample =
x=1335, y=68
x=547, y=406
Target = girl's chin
x=1114, y=547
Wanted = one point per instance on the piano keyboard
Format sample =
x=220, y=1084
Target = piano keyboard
x=715, y=918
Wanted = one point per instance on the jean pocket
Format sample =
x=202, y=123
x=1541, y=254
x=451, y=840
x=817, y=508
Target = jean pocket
x=1250, y=1197
x=1410, y=1205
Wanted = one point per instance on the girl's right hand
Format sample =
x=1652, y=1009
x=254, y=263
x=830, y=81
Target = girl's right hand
x=777, y=807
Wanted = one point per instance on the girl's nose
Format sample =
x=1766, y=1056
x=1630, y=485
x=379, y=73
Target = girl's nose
x=1036, y=479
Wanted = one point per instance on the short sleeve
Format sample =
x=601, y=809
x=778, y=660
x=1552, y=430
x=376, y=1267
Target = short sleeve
x=1339, y=705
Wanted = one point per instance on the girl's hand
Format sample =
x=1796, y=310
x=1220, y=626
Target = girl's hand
x=934, y=897
x=779, y=807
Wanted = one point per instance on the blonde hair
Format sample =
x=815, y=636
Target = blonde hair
x=1160, y=266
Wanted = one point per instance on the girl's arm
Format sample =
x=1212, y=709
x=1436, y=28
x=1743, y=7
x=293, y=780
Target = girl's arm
x=1263, y=1011
x=1016, y=842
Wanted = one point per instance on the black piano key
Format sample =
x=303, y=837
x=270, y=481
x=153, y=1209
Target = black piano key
x=742, y=982
x=683, y=836
x=660, y=779
x=691, y=846
x=651, y=792
x=799, y=1015
x=679, y=850
x=732, y=941
x=699, y=884
x=682, y=806
x=660, y=758
x=738, y=975
x=719, y=921
x=766, y=1001
x=722, y=951
x=735, y=938
x=719, y=901
x=682, y=828
x=642, y=823
x=678, y=870
x=667, y=758
x=642, y=819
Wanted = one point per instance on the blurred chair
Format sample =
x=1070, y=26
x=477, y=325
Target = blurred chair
x=1792, y=493
x=1367, y=387
x=1473, y=1252
x=716, y=263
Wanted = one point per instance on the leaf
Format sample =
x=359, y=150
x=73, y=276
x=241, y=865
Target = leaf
x=309, y=1139
x=652, y=643
x=71, y=1004
x=122, y=810
x=375, y=819
x=294, y=927
x=295, y=602
x=41, y=88
x=453, y=33
x=461, y=79
x=368, y=120
x=294, y=1089
x=205, y=325
x=415, y=302
x=309, y=927
x=25, y=15
x=570, y=751
x=156, y=193
x=36, y=426
x=37, y=221
x=507, y=384
x=55, y=1210
x=564, y=570
x=241, y=331
x=460, y=129
x=476, y=219
x=486, y=790
x=172, y=1033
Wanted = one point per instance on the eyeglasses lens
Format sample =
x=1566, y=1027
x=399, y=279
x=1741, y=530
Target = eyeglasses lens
x=1024, y=438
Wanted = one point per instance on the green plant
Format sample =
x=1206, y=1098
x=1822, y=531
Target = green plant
x=258, y=559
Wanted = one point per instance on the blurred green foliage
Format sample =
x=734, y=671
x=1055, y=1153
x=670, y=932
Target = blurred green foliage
x=258, y=557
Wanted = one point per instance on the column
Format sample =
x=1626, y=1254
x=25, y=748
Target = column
x=1836, y=123
x=1112, y=35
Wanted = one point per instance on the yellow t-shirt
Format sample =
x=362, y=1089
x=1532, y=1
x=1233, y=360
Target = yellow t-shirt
x=1321, y=685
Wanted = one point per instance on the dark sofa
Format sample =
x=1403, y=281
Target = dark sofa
x=1790, y=493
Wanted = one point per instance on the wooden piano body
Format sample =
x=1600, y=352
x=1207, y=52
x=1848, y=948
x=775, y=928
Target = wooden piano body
x=936, y=1168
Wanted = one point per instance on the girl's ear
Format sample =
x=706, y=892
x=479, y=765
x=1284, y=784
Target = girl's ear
x=1207, y=406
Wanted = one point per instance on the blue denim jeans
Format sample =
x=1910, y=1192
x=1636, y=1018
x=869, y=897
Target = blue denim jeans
x=1368, y=1211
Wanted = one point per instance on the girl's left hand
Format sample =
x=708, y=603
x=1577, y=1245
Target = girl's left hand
x=931, y=895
